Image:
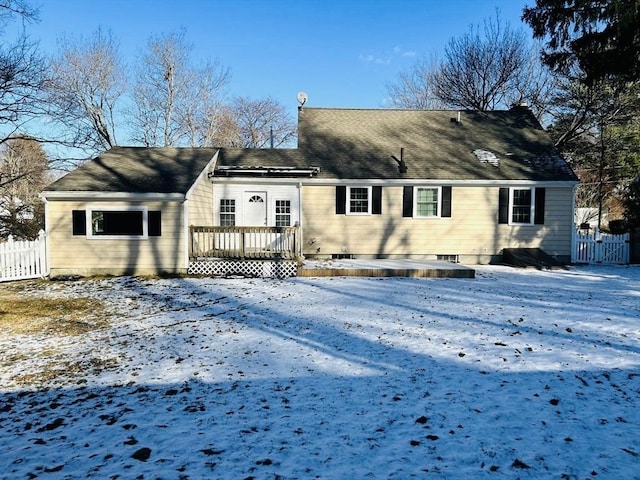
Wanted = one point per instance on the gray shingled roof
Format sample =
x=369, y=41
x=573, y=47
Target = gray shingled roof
x=138, y=170
x=352, y=144
x=348, y=143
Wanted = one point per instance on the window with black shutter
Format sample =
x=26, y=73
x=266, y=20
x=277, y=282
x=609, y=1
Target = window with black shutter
x=132, y=222
x=426, y=201
x=521, y=206
x=358, y=200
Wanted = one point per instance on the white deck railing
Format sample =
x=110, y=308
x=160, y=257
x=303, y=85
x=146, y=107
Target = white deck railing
x=244, y=242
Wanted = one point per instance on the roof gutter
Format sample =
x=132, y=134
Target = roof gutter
x=105, y=196
x=443, y=181
x=226, y=171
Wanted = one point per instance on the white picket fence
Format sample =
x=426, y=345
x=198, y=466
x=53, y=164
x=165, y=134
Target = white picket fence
x=20, y=260
x=601, y=248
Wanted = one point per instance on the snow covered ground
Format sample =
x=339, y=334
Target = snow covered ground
x=515, y=374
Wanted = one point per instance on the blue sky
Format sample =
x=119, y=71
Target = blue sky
x=341, y=53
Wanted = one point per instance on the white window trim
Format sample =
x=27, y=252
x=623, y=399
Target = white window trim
x=415, y=201
x=218, y=210
x=532, y=206
x=275, y=213
x=347, y=208
x=107, y=208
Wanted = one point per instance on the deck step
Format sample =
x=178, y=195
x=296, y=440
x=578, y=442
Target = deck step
x=529, y=257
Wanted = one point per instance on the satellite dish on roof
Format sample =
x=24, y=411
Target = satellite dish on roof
x=302, y=98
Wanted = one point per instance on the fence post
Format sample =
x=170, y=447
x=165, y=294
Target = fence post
x=44, y=258
x=12, y=259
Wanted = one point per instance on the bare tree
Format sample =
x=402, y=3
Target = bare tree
x=414, y=87
x=171, y=96
x=215, y=128
x=261, y=123
x=87, y=83
x=489, y=69
x=22, y=73
x=20, y=8
x=23, y=175
x=534, y=85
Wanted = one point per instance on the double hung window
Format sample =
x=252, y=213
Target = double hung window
x=521, y=206
x=359, y=200
x=427, y=201
x=227, y=212
x=283, y=213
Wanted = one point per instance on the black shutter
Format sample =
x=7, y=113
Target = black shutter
x=407, y=201
x=79, y=220
x=539, y=206
x=341, y=199
x=503, y=206
x=376, y=200
x=446, y=202
x=154, y=223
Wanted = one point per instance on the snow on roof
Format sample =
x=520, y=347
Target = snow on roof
x=487, y=157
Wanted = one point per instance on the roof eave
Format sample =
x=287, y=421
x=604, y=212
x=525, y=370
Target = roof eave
x=432, y=181
x=106, y=196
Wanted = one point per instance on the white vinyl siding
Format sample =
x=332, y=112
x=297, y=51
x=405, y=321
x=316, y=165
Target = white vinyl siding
x=116, y=255
x=472, y=231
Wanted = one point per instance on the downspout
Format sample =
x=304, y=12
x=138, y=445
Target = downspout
x=300, y=210
x=47, y=243
x=187, y=236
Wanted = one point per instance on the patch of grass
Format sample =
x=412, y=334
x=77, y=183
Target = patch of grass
x=60, y=370
x=66, y=316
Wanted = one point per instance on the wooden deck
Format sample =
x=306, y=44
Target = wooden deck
x=261, y=243
x=276, y=252
x=384, y=268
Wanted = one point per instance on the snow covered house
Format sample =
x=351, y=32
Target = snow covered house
x=362, y=183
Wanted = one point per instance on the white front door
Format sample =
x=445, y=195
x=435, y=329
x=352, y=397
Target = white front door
x=255, y=209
